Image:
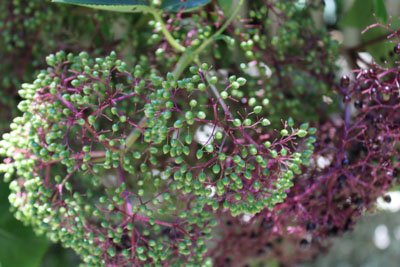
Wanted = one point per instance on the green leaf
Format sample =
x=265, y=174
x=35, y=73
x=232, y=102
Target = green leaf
x=129, y=6
x=176, y=5
x=380, y=50
x=19, y=246
x=380, y=10
x=359, y=15
x=226, y=6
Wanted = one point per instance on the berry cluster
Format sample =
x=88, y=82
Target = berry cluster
x=355, y=161
x=112, y=163
x=275, y=58
x=149, y=161
x=30, y=30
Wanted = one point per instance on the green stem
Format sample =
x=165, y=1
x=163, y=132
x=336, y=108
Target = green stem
x=187, y=58
x=220, y=30
x=171, y=40
x=190, y=55
x=134, y=135
x=182, y=64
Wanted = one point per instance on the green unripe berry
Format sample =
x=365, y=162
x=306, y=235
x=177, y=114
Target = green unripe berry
x=216, y=169
x=301, y=133
x=193, y=103
x=304, y=126
x=122, y=119
x=193, y=70
x=202, y=87
x=91, y=119
x=209, y=148
x=199, y=154
x=237, y=122
x=213, y=80
x=312, y=130
x=235, y=85
x=267, y=144
x=252, y=101
x=247, y=122
x=178, y=124
x=290, y=122
x=274, y=153
x=241, y=81
x=265, y=122
x=218, y=135
x=189, y=115
x=257, y=109
x=201, y=115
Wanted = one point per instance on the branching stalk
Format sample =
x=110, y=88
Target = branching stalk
x=188, y=57
x=171, y=40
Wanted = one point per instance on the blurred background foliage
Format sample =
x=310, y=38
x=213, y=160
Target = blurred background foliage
x=375, y=240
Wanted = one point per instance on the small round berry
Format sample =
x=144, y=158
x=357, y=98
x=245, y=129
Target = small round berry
x=302, y=133
x=284, y=132
x=257, y=109
x=235, y=85
x=265, y=122
x=345, y=81
x=201, y=115
x=193, y=70
x=396, y=49
x=237, y=123
x=218, y=135
x=193, y=103
x=214, y=80
x=358, y=104
x=387, y=198
x=202, y=87
x=224, y=95
x=204, y=67
x=311, y=226
x=241, y=81
x=346, y=99
x=267, y=144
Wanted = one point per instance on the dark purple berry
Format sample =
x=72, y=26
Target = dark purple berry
x=344, y=81
x=396, y=49
x=358, y=104
x=311, y=226
x=346, y=99
x=342, y=178
x=304, y=243
x=372, y=73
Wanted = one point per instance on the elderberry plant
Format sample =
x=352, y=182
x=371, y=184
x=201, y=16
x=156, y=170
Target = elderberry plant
x=162, y=160
x=30, y=30
x=356, y=160
x=139, y=184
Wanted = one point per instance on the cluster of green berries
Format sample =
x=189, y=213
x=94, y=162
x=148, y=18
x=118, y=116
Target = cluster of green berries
x=276, y=58
x=113, y=163
x=30, y=30
x=133, y=165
